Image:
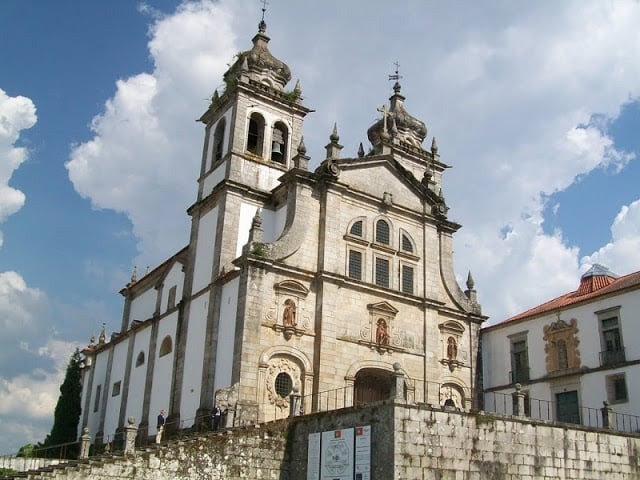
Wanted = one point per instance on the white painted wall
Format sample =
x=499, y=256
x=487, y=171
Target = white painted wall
x=117, y=375
x=143, y=306
x=213, y=178
x=192, y=380
x=205, y=250
x=162, y=371
x=272, y=223
x=226, y=335
x=138, y=375
x=100, y=369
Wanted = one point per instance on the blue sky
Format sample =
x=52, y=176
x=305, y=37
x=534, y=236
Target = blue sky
x=534, y=105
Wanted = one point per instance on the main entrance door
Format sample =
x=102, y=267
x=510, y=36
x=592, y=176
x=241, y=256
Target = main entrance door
x=372, y=385
x=567, y=408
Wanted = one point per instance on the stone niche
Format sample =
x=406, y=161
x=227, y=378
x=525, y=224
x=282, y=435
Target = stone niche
x=561, y=346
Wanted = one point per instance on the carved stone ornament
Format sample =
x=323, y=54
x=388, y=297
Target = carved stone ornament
x=276, y=366
x=561, y=346
x=450, y=395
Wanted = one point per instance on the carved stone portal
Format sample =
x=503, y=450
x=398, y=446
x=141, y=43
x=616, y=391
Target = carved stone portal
x=561, y=346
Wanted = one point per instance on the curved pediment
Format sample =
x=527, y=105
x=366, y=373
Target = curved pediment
x=292, y=287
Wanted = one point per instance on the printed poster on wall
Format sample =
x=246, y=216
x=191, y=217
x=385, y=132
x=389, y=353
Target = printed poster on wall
x=313, y=457
x=337, y=455
x=363, y=453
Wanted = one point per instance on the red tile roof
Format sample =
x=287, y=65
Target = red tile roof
x=591, y=288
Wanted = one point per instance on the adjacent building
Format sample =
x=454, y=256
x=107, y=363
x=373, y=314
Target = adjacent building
x=294, y=281
x=571, y=354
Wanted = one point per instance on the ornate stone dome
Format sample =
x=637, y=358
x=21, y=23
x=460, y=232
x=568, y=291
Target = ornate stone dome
x=260, y=64
x=397, y=123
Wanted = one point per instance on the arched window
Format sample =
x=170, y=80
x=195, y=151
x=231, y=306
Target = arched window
x=406, y=243
x=356, y=229
x=218, y=140
x=255, y=136
x=166, y=346
x=140, y=359
x=382, y=232
x=279, y=139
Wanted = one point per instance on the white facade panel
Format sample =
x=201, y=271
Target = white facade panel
x=118, y=368
x=192, y=377
x=205, y=250
x=138, y=374
x=100, y=370
x=214, y=177
x=175, y=278
x=225, y=144
x=143, y=306
x=162, y=372
x=226, y=334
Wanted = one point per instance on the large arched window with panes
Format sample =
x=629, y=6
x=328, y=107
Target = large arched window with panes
x=383, y=232
x=255, y=135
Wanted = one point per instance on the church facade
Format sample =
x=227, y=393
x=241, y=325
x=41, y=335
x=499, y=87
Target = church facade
x=295, y=281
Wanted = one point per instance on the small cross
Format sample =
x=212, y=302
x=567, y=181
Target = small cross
x=264, y=7
x=385, y=112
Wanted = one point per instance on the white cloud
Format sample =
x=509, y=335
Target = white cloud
x=144, y=157
x=16, y=114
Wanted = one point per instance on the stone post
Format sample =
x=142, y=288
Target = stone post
x=85, y=443
x=397, y=384
x=294, y=403
x=607, y=415
x=130, y=433
x=519, y=405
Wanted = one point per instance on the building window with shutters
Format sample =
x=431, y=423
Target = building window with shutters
x=406, y=284
x=354, y=267
x=612, y=352
x=382, y=276
x=617, y=388
x=383, y=232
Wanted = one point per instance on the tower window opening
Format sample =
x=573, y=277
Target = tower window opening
x=218, y=140
x=256, y=134
x=279, y=143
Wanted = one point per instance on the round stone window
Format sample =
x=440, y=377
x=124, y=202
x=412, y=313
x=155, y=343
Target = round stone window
x=283, y=384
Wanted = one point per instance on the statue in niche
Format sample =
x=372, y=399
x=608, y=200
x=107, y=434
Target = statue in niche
x=289, y=314
x=452, y=348
x=382, y=332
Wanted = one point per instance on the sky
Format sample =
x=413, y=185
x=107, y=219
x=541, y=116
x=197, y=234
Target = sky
x=535, y=106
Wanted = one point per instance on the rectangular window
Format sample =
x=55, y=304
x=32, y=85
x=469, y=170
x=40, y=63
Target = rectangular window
x=115, y=391
x=617, y=388
x=519, y=360
x=96, y=401
x=355, y=264
x=611, y=339
x=382, y=272
x=407, y=279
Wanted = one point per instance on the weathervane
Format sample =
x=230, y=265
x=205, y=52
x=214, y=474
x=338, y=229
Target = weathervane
x=262, y=26
x=396, y=76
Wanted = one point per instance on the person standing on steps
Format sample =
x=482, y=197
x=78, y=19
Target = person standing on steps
x=160, y=426
x=217, y=413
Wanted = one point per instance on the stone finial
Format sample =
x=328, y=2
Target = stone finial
x=470, y=282
x=103, y=336
x=215, y=96
x=92, y=340
x=360, y=151
x=297, y=90
x=333, y=147
x=434, y=147
x=302, y=148
x=245, y=64
x=334, y=137
x=134, y=275
x=301, y=160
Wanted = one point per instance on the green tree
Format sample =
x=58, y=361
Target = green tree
x=68, y=408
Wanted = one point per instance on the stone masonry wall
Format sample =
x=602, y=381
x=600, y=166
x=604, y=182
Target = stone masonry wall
x=440, y=445
x=407, y=443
